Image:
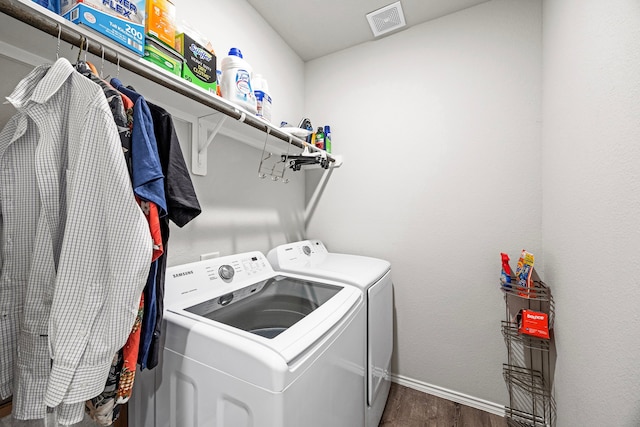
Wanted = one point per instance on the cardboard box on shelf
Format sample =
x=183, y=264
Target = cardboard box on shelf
x=161, y=21
x=199, y=62
x=52, y=5
x=164, y=57
x=119, y=20
x=533, y=323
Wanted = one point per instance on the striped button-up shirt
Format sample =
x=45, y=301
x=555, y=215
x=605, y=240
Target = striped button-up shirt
x=75, y=247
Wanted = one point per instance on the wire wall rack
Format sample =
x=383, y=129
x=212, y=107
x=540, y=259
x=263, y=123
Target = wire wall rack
x=528, y=373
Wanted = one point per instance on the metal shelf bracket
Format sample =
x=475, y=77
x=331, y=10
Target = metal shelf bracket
x=206, y=135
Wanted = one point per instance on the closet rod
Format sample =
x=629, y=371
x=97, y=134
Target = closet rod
x=29, y=15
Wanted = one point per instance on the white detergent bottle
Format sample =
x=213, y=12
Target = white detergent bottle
x=263, y=100
x=236, y=81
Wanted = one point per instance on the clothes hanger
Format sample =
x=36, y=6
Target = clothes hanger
x=58, y=45
x=102, y=62
x=261, y=174
x=284, y=160
x=273, y=171
x=80, y=50
x=108, y=76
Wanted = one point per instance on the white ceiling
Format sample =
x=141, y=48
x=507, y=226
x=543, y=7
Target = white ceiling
x=314, y=28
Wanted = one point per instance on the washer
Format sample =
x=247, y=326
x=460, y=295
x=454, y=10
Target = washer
x=248, y=347
x=373, y=276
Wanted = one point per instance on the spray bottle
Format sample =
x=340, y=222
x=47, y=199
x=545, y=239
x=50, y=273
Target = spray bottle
x=505, y=274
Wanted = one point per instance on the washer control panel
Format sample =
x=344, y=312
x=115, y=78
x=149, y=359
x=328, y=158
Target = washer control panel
x=223, y=273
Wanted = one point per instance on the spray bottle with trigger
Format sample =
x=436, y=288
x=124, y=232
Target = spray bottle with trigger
x=505, y=274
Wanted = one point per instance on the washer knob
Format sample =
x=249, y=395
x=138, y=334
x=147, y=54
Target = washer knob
x=226, y=272
x=306, y=250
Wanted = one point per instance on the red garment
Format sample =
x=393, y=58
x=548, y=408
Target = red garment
x=131, y=349
x=128, y=103
x=150, y=211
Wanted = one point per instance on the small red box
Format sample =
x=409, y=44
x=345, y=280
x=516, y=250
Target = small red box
x=533, y=323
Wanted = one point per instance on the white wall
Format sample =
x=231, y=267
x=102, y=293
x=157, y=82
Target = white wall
x=440, y=129
x=591, y=206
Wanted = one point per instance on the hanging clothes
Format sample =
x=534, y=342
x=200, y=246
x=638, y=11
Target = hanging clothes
x=148, y=185
x=104, y=409
x=182, y=207
x=148, y=180
x=83, y=244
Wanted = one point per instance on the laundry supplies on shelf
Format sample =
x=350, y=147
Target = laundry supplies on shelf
x=160, y=21
x=123, y=23
x=327, y=138
x=534, y=323
x=523, y=274
x=319, y=139
x=162, y=56
x=236, y=81
x=199, y=62
x=263, y=99
x=52, y=5
x=505, y=274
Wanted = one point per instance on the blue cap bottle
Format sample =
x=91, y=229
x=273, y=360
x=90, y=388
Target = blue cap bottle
x=327, y=138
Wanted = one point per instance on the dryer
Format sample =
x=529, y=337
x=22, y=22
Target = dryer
x=248, y=347
x=373, y=276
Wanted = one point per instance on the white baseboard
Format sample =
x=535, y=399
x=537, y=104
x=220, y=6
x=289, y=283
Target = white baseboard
x=451, y=395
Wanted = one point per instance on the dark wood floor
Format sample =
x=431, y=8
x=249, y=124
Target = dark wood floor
x=411, y=408
x=405, y=408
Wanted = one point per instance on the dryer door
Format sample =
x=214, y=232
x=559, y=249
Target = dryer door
x=380, y=337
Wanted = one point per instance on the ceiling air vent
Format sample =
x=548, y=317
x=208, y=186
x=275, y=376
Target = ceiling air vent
x=386, y=19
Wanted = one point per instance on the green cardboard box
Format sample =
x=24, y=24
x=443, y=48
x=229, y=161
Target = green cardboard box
x=168, y=59
x=199, y=63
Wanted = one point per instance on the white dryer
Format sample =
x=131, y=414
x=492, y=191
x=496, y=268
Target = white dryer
x=248, y=347
x=373, y=276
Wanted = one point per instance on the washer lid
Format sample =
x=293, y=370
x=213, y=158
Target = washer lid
x=267, y=308
x=311, y=257
x=286, y=313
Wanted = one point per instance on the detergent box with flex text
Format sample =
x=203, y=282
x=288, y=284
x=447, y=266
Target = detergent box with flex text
x=120, y=20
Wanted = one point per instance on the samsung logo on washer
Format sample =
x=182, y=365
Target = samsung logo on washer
x=182, y=273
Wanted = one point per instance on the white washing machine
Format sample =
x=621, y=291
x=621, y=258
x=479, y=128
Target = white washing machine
x=248, y=347
x=373, y=276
